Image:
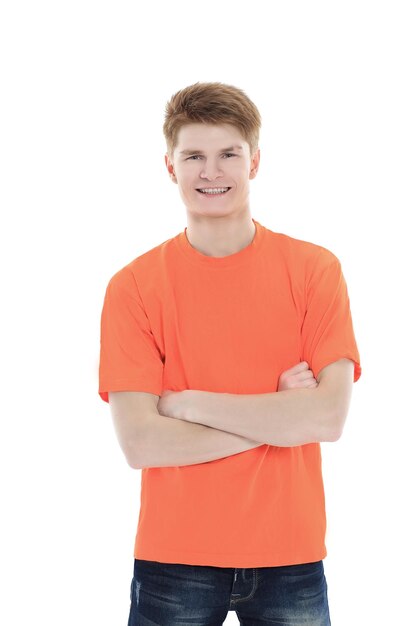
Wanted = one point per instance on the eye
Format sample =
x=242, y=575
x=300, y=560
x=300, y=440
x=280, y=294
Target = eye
x=197, y=156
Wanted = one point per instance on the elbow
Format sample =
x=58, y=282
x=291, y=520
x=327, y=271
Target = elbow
x=139, y=451
x=333, y=436
x=133, y=456
x=335, y=429
x=140, y=454
x=131, y=459
x=133, y=463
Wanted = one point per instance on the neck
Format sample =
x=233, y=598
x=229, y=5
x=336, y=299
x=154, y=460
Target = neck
x=222, y=236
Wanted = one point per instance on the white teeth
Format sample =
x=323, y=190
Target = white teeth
x=215, y=190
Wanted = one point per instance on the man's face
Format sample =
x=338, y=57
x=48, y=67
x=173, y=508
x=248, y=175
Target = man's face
x=216, y=157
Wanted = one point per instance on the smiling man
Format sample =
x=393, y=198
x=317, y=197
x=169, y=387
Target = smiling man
x=227, y=356
x=213, y=179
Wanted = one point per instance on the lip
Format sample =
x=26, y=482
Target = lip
x=213, y=195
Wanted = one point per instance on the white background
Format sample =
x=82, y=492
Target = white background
x=84, y=190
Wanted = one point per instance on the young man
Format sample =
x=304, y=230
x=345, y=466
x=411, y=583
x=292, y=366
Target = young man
x=227, y=356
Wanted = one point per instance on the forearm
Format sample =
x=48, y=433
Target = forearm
x=170, y=443
x=285, y=418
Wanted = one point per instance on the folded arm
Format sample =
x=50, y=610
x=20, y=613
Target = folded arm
x=285, y=418
x=149, y=439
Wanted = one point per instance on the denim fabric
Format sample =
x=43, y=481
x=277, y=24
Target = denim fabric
x=171, y=594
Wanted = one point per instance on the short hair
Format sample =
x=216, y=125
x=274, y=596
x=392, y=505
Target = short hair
x=211, y=103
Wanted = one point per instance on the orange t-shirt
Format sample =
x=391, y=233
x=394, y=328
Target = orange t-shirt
x=174, y=318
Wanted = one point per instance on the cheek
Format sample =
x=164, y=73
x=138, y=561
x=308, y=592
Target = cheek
x=185, y=180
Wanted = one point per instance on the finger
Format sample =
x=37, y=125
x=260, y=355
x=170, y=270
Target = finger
x=300, y=367
x=305, y=375
x=301, y=377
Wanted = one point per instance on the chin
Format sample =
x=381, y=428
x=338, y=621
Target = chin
x=213, y=212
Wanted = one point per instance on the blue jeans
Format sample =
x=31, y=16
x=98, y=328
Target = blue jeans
x=172, y=594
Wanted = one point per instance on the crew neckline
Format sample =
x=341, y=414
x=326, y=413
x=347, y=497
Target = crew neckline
x=237, y=258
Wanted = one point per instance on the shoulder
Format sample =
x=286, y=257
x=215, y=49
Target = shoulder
x=142, y=268
x=303, y=255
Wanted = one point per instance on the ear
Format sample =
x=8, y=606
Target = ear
x=255, y=163
x=170, y=168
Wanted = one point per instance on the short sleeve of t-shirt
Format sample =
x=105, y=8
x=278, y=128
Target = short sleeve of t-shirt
x=327, y=330
x=129, y=357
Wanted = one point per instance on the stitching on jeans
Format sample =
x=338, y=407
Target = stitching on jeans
x=252, y=593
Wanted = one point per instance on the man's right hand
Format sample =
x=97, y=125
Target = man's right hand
x=297, y=377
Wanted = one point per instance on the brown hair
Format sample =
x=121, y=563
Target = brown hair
x=211, y=103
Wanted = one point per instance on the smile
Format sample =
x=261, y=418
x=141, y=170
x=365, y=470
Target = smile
x=214, y=191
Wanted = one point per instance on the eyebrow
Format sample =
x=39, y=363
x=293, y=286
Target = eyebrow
x=201, y=151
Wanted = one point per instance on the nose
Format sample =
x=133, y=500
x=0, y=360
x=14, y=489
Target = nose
x=211, y=170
